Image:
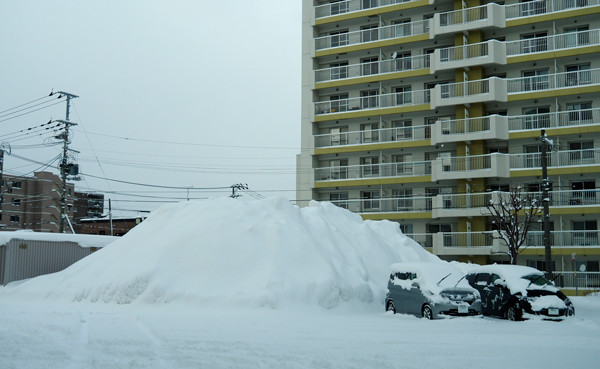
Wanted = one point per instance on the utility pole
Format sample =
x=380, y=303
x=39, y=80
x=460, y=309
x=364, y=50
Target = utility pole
x=3, y=147
x=64, y=165
x=110, y=218
x=545, y=201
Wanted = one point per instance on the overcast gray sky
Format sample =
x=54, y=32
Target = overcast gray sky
x=172, y=92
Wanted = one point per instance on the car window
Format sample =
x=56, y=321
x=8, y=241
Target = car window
x=483, y=279
x=494, y=277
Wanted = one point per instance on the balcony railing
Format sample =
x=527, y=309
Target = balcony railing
x=556, y=159
x=468, y=88
x=372, y=35
x=531, y=8
x=462, y=16
x=569, y=238
x=467, y=239
x=373, y=68
x=462, y=52
x=423, y=239
x=349, y=6
x=583, y=280
x=372, y=102
x=408, y=169
x=554, y=81
x=554, y=42
x=373, y=136
x=569, y=118
x=387, y=205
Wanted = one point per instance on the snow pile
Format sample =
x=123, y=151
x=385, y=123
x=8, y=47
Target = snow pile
x=230, y=251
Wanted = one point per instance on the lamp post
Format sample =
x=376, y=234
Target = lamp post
x=545, y=201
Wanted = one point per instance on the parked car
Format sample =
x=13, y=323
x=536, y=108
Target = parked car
x=430, y=290
x=515, y=292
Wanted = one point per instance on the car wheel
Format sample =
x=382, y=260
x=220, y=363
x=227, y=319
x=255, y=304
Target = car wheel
x=514, y=312
x=427, y=313
x=390, y=307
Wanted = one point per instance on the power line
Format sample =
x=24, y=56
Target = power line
x=29, y=112
x=27, y=103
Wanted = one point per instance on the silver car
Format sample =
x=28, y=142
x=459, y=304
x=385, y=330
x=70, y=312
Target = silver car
x=431, y=290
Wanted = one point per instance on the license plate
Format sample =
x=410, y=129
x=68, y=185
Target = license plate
x=463, y=309
x=552, y=311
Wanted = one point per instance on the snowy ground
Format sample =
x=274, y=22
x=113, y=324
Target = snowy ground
x=261, y=284
x=85, y=335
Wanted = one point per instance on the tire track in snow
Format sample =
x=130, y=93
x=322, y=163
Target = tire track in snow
x=156, y=343
x=81, y=355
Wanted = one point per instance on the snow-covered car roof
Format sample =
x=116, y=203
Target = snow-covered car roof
x=429, y=274
x=513, y=275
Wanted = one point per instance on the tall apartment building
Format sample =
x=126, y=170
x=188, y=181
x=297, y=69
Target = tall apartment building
x=34, y=202
x=418, y=111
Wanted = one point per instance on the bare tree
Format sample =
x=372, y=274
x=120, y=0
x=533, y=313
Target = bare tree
x=512, y=214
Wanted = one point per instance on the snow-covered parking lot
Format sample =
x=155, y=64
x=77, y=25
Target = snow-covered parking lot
x=262, y=284
x=85, y=335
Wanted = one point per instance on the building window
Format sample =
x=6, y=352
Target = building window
x=16, y=185
x=402, y=130
x=14, y=219
x=339, y=102
x=581, y=151
x=369, y=132
x=403, y=95
x=577, y=36
x=369, y=66
x=16, y=202
x=534, y=42
x=370, y=166
x=403, y=164
x=339, y=38
x=532, y=7
x=370, y=200
x=370, y=33
x=536, y=117
x=577, y=75
x=369, y=99
x=403, y=28
x=338, y=136
x=339, y=168
x=579, y=113
x=339, y=7
x=340, y=199
x=403, y=62
x=585, y=233
x=368, y=4
x=534, y=80
x=339, y=70
x=584, y=193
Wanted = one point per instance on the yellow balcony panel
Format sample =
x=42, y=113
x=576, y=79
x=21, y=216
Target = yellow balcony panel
x=372, y=112
x=375, y=146
x=373, y=181
x=396, y=216
x=373, y=78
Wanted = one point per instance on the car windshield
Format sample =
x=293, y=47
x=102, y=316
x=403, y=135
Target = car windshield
x=537, y=279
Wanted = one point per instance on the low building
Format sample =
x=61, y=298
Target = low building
x=28, y=254
x=102, y=226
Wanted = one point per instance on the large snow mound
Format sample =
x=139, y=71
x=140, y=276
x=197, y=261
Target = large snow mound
x=230, y=251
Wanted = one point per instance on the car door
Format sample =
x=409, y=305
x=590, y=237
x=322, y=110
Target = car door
x=415, y=298
x=498, y=295
x=400, y=295
x=481, y=283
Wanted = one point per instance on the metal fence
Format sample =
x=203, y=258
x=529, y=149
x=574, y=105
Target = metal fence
x=371, y=102
x=463, y=16
x=554, y=42
x=531, y=8
x=584, y=280
x=342, y=7
x=373, y=136
x=410, y=169
x=552, y=81
x=554, y=119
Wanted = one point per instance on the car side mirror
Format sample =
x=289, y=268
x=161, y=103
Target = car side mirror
x=500, y=282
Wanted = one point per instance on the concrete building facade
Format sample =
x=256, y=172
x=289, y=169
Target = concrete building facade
x=421, y=111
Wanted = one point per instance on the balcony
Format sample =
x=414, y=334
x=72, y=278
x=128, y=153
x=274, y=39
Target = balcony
x=556, y=159
x=561, y=41
x=563, y=119
x=533, y=8
x=460, y=93
x=546, y=82
x=474, y=204
x=387, y=205
x=353, y=6
x=480, y=128
x=467, y=19
x=373, y=171
x=378, y=68
x=483, y=53
x=372, y=35
x=467, y=167
x=385, y=135
x=392, y=100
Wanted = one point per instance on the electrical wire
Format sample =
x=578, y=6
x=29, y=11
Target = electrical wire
x=29, y=112
x=27, y=103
